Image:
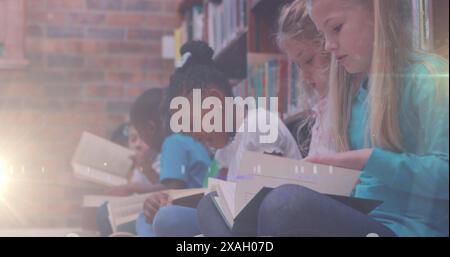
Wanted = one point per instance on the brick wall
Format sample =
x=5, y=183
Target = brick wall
x=89, y=59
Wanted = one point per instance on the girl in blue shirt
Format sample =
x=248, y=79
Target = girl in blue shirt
x=393, y=126
x=184, y=162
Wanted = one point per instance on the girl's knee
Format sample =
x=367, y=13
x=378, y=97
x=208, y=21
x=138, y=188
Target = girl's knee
x=163, y=221
x=284, y=197
x=282, y=207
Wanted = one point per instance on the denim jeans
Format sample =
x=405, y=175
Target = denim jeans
x=170, y=221
x=292, y=210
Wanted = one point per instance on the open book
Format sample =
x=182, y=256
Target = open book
x=259, y=173
x=125, y=209
x=101, y=161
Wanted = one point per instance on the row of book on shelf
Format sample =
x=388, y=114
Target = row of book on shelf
x=225, y=20
x=273, y=78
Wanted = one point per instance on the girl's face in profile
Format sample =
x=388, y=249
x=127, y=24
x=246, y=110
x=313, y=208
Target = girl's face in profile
x=210, y=139
x=135, y=142
x=311, y=61
x=348, y=28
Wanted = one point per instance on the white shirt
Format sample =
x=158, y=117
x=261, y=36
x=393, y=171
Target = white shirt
x=138, y=177
x=321, y=142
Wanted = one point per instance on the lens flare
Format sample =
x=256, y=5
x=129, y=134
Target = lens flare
x=3, y=175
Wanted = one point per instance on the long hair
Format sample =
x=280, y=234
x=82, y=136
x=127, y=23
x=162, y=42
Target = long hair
x=392, y=53
x=294, y=24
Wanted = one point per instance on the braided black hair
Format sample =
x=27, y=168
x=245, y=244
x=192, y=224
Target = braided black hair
x=198, y=72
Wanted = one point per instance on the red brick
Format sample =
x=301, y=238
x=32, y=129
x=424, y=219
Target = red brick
x=65, y=4
x=44, y=104
x=23, y=90
x=34, y=31
x=47, y=17
x=103, y=91
x=35, y=45
x=62, y=91
x=118, y=106
x=125, y=20
x=35, y=4
x=83, y=105
x=36, y=59
x=106, y=33
x=104, y=63
x=93, y=47
x=64, y=61
x=104, y=4
x=171, y=6
x=145, y=34
x=55, y=103
x=143, y=5
x=64, y=32
x=134, y=47
x=84, y=18
x=125, y=77
x=47, y=76
x=162, y=21
x=142, y=64
x=86, y=76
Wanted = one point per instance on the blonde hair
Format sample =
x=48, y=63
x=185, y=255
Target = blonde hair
x=295, y=24
x=391, y=55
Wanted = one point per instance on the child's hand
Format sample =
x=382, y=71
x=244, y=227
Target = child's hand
x=355, y=160
x=153, y=203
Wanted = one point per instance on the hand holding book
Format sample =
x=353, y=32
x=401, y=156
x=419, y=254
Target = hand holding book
x=152, y=204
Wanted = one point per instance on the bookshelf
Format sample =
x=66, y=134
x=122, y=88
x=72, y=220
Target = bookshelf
x=440, y=26
x=430, y=21
x=242, y=34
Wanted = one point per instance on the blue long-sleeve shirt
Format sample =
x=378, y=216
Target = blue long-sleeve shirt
x=414, y=184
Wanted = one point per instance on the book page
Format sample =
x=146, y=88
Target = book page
x=97, y=176
x=224, y=211
x=227, y=191
x=126, y=209
x=100, y=154
x=181, y=193
x=273, y=171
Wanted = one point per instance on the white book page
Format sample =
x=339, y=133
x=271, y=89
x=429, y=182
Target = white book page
x=101, y=154
x=97, y=176
x=273, y=171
